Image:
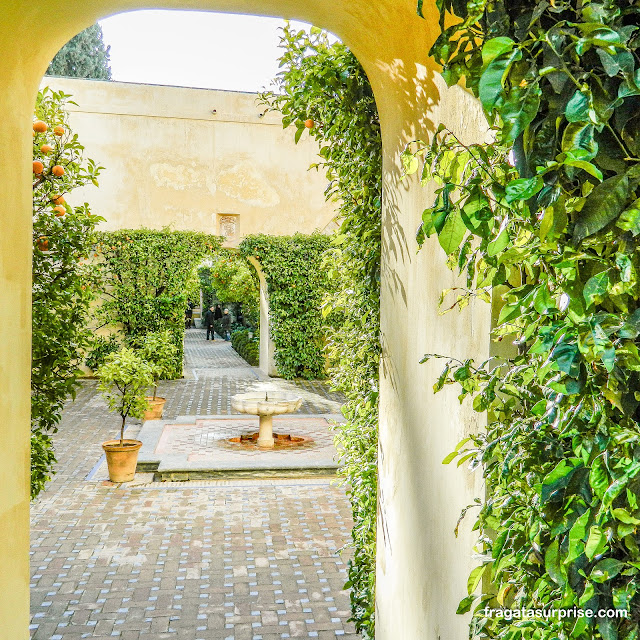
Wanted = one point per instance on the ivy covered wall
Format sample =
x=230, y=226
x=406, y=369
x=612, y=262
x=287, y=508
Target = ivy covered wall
x=325, y=93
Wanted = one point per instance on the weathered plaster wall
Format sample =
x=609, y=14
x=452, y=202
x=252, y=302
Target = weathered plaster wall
x=422, y=568
x=170, y=160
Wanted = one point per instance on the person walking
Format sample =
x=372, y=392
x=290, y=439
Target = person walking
x=208, y=322
x=226, y=324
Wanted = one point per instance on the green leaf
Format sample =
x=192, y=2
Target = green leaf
x=606, y=569
x=577, y=535
x=566, y=355
x=523, y=188
x=474, y=578
x=579, y=137
x=585, y=166
x=603, y=205
x=496, y=47
x=577, y=109
x=543, y=301
x=490, y=87
x=596, y=543
x=409, y=162
x=518, y=110
x=553, y=564
x=452, y=456
x=465, y=604
x=624, y=264
x=624, y=516
x=629, y=219
x=558, y=478
x=598, y=477
x=498, y=244
x=453, y=231
x=596, y=288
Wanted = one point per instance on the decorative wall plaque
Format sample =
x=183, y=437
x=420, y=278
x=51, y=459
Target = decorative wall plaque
x=228, y=226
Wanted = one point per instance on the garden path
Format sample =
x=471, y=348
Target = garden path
x=206, y=560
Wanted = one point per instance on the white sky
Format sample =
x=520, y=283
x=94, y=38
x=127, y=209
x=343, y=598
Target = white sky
x=194, y=49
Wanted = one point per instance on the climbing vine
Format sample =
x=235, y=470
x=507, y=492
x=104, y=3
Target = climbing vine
x=548, y=216
x=64, y=283
x=296, y=283
x=323, y=90
x=146, y=273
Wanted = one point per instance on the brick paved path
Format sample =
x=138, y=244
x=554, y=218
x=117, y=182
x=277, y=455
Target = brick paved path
x=225, y=560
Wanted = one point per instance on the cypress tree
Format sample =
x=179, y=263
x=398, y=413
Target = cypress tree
x=84, y=56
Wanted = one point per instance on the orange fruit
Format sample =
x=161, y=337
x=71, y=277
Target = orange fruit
x=58, y=171
x=38, y=167
x=46, y=148
x=43, y=243
x=60, y=211
x=309, y=123
x=57, y=199
x=39, y=126
x=59, y=131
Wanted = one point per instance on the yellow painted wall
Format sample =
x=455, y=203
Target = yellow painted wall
x=422, y=568
x=169, y=160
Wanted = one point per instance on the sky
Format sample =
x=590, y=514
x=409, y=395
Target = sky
x=194, y=49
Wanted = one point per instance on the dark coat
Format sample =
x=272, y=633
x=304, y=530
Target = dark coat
x=226, y=321
x=208, y=318
x=217, y=313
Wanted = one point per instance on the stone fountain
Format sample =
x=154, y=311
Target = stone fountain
x=265, y=405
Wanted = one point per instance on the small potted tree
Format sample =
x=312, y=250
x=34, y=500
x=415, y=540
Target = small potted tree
x=159, y=351
x=124, y=378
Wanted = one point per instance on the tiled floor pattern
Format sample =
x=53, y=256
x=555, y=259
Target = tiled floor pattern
x=207, y=438
x=210, y=560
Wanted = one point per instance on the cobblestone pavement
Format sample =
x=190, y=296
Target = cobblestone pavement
x=210, y=560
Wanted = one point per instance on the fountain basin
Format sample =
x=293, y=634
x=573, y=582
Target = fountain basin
x=255, y=403
x=265, y=405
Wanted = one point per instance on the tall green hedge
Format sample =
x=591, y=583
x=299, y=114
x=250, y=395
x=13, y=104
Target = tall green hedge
x=146, y=275
x=296, y=284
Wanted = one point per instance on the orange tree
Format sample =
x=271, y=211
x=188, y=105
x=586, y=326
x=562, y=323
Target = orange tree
x=64, y=283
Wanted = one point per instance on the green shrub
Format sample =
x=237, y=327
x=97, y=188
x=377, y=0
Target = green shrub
x=159, y=352
x=249, y=349
x=101, y=348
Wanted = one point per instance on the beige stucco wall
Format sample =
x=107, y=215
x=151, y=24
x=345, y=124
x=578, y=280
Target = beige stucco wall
x=187, y=157
x=422, y=568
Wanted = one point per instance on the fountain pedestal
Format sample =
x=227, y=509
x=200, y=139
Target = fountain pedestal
x=265, y=405
x=265, y=437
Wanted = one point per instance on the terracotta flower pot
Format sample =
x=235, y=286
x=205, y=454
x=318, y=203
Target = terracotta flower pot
x=121, y=461
x=156, y=406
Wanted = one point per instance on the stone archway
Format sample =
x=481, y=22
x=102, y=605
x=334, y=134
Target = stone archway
x=422, y=569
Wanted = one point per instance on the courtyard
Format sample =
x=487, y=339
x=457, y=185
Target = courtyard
x=213, y=559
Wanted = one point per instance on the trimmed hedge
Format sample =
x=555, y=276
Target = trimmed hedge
x=247, y=348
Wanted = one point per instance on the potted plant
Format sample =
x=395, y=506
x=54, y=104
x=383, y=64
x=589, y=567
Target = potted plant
x=124, y=378
x=159, y=351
